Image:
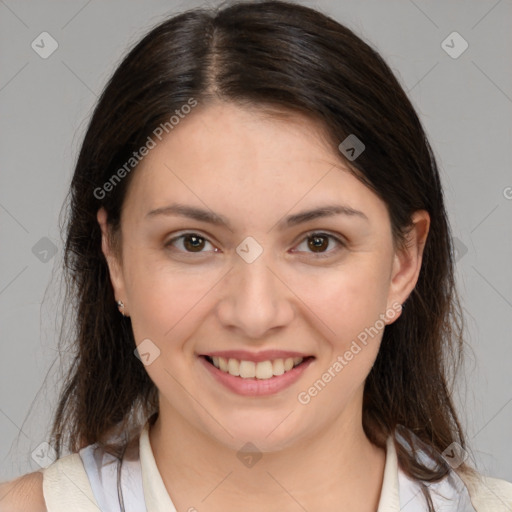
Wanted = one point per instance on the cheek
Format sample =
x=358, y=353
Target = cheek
x=347, y=299
x=165, y=302
x=167, y=309
x=350, y=308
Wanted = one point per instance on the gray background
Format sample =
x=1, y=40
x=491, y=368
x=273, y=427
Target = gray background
x=465, y=104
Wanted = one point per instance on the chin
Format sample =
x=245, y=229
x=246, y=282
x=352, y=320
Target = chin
x=270, y=434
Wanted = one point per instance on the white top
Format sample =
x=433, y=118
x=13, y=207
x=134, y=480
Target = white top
x=87, y=482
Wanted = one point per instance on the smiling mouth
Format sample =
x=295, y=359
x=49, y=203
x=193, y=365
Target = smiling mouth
x=263, y=370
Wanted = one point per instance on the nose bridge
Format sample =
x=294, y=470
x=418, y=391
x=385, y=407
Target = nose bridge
x=255, y=299
x=256, y=280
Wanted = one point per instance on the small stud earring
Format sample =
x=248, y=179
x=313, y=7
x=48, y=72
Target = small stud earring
x=121, y=305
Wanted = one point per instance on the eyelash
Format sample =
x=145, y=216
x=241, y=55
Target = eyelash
x=307, y=236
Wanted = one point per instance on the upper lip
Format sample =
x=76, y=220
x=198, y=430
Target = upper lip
x=264, y=355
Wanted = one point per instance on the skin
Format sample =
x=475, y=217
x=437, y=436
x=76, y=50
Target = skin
x=255, y=169
x=23, y=494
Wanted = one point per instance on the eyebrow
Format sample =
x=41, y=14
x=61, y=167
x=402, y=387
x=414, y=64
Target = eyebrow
x=210, y=217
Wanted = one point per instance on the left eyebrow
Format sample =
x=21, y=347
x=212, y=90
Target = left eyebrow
x=210, y=217
x=317, y=213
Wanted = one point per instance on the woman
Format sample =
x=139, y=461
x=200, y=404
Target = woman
x=261, y=270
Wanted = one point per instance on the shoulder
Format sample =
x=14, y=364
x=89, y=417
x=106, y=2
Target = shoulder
x=60, y=487
x=23, y=494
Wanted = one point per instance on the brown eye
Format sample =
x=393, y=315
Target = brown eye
x=190, y=243
x=319, y=242
x=193, y=243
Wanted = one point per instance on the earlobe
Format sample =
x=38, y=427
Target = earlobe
x=116, y=276
x=408, y=259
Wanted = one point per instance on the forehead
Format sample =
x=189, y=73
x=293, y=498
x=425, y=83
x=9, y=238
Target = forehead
x=241, y=138
x=246, y=158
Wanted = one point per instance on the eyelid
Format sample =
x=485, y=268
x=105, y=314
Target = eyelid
x=331, y=234
x=181, y=234
x=339, y=239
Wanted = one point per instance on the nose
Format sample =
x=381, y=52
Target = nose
x=256, y=299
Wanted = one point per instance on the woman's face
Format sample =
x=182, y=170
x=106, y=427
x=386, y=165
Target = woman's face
x=254, y=288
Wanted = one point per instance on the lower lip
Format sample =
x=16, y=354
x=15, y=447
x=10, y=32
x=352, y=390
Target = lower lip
x=257, y=387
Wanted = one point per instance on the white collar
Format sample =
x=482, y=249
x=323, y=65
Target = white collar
x=158, y=500
x=399, y=493
x=390, y=496
x=155, y=494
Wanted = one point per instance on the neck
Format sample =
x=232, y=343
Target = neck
x=336, y=468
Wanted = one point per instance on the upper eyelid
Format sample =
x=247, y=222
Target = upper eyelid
x=184, y=233
x=337, y=237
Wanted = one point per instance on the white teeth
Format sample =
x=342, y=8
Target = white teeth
x=234, y=367
x=249, y=369
x=288, y=364
x=264, y=370
x=278, y=367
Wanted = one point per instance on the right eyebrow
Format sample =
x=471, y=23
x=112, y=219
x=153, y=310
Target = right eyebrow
x=192, y=212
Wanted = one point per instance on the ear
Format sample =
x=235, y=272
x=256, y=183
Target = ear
x=407, y=262
x=114, y=265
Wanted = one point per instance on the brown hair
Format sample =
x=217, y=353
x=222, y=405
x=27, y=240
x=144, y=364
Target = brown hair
x=286, y=58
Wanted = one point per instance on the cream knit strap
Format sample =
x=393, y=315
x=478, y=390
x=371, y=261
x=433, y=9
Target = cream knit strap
x=489, y=494
x=66, y=486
